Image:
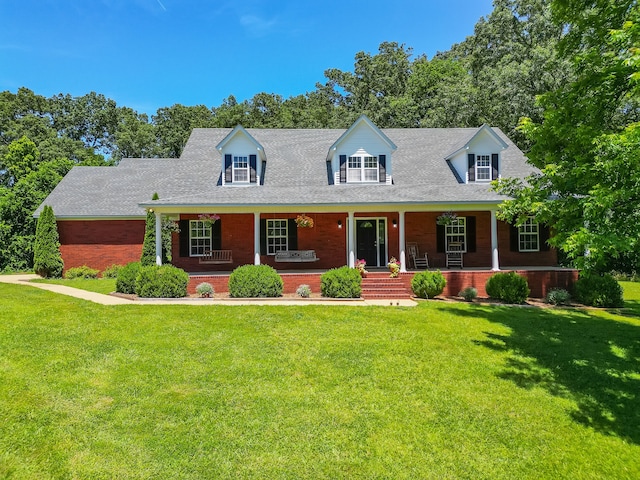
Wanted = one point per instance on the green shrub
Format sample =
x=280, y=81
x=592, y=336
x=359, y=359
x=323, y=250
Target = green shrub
x=81, y=272
x=469, y=294
x=428, y=284
x=598, y=291
x=304, y=291
x=343, y=282
x=161, y=281
x=126, y=279
x=111, y=271
x=508, y=287
x=47, y=260
x=204, y=289
x=251, y=281
x=557, y=296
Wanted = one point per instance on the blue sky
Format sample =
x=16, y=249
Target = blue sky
x=147, y=54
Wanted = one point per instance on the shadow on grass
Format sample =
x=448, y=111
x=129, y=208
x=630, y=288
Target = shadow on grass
x=580, y=355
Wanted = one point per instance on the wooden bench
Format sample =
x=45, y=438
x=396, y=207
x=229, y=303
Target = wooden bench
x=216, y=256
x=296, y=256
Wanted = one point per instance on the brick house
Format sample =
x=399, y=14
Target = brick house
x=370, y=193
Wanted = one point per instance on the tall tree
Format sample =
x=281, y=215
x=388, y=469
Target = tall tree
x=586, y=146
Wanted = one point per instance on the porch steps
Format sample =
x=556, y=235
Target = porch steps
x=381, y=287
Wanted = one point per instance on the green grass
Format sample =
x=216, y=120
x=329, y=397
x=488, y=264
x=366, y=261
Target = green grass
x=98, y=285
x=443, y=390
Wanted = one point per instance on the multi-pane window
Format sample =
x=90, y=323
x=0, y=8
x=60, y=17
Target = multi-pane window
x=362, y=169
x=276, y=236
x=456, y=235
x=240, y=169
x=483, y=167
x=529, y=236
x=199, y=237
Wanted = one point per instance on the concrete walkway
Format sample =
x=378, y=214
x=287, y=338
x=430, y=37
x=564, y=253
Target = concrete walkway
x=25, y=279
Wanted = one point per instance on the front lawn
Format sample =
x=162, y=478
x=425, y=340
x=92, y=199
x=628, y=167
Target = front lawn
x=98, y=285
x=442, y=390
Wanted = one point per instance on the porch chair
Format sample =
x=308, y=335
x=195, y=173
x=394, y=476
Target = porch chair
x=454, y=255
x=414, y=255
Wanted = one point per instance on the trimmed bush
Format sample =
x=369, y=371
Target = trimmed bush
x=598, y=291
x=343, y=282
x=47, y=260
x=428, y=284
x=508, y=287
x=557, y=296
x=126, y=279
x=469, y=294
x=81, y=272
x=161, y=281
x=111, y=271
x=251, y=281
x=204, y=289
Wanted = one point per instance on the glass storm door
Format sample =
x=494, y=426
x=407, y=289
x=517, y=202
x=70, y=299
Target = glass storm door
x=371, y=241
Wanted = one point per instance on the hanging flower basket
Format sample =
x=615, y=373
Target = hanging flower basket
x=208, y=218
x=447, y=218
x=302, y=221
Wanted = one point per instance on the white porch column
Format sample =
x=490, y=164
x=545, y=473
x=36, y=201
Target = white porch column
x=402, y=241
x=495, y=264
x=158, y=238
x=256, y=238
x=351, y=239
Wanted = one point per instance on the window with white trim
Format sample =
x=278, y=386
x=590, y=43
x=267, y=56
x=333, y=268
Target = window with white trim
x=362, y=169
x=277, y=236
x=240, y=169
x=455, y=235
x=529, y=236
x=483, y=168
x=199, y=238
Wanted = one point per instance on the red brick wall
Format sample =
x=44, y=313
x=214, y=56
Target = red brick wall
x=100, y=243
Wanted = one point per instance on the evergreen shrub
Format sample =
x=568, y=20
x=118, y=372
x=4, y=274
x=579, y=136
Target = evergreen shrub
x=428, y=284
x=81, y=272
x=557, y=296
x=343, y=282
x=47, y=260
x=598, y=291
x=205, y=289
x=126, y=279
x=508, y=287
x=161, y=281
x=111, y=271
x=251, y=281
x=469, y=294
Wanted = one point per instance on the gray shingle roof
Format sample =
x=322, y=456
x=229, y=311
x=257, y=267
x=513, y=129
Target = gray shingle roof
x=296, y=174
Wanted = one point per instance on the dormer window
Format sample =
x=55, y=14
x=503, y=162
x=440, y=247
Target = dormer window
x=240, y=169
x=362, y=169
x=483, y=168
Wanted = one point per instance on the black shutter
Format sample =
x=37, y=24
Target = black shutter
x=343, y=169
x=382, y=165
x=263, y=236
x=253, y=166
x=544, y=233
x=471, y=159
x=292, y=233
x=471, y=234
x=184, y=238
x=228, y=168
x=440, y=238
x=494, y=166
x=514, y=241
x=216, y=235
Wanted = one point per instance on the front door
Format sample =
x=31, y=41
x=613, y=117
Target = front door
x=371, y=241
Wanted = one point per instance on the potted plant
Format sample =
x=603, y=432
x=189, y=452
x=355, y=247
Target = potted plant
x=302, y=221
x=394, y=267
x=360, y=264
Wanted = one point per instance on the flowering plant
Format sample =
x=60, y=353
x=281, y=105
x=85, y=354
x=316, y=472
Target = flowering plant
x=304, y=222
x=447, y=218
x=360, y=264
x=394, y=267
x=208, y=218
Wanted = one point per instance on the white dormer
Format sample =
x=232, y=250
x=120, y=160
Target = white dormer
x=362, y=154
x=478, y=158
x=243, y=158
